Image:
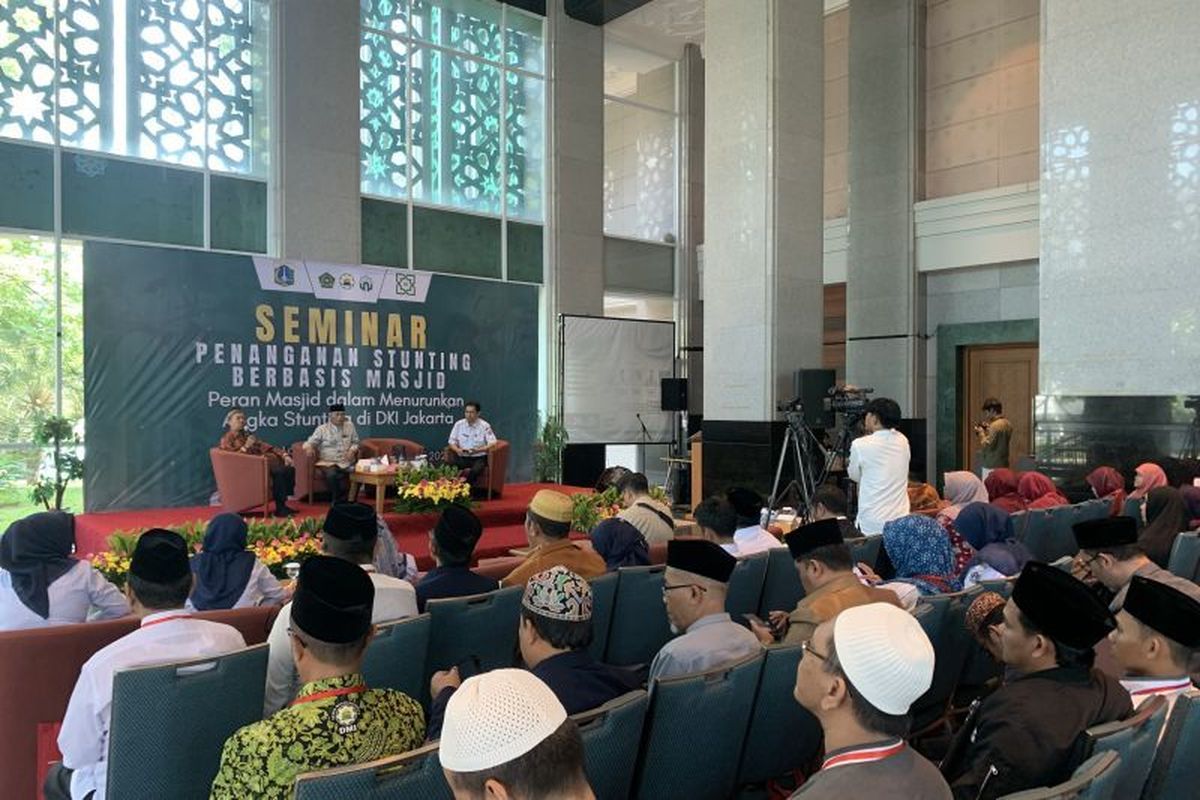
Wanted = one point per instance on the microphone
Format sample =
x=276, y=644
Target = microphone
x=645, y=432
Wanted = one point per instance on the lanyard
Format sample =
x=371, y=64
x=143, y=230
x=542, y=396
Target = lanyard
x=310, y=698
x=864, y=755
x=161, y=620
x=1171, y=687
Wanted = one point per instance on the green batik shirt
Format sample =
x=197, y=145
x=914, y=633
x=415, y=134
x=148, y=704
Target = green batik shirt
x=325, y=730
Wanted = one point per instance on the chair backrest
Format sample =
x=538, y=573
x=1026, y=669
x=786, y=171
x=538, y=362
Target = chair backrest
x=1095, y=779
x=865, y=549
x=783, y=736
x=395, y=658
x=694, y=732
x=782, y=589
x=1057, y=540
x=1185, y=556
x=639, y=623
x=1133, y=508
x=415, y=775
x=1176, y=771
x=1039, y=532
x=1134, y=740
x=611, y=734
x=746, y=584
x=482, y=626
x=152, y=754
x=604, y=595
x=941, y=617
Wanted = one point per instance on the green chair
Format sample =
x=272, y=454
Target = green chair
x=395, y=658
x=1095, y=779
x=170, y=722
x=1035, y=530
x=782, y=589
x=611, y=734
x=746, y=584
x=865, y=549
x=941, y=617
x=1133, y=508
x=481, y=626
x=1134, y=740
x=783, y=736
x=604, y=594
x=639, y=624
x=1185, y=556
x=694, y=732
x=415, y=775
x=1175, y=772
x=1058, y=539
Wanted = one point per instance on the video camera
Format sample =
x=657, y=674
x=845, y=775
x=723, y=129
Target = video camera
x=848, y=400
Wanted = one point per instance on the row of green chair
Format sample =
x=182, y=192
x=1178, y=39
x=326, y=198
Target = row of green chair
x=1184, y=560
x=1047, y=531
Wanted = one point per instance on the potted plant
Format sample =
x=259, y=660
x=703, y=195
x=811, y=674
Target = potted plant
x=548, y=451
x=67, y=464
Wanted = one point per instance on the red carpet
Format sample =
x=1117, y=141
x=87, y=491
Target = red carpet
x=502, y=518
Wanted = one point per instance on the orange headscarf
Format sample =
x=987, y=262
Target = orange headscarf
x=1152, y=478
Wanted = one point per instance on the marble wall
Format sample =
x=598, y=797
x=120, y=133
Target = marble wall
x=1120, y=205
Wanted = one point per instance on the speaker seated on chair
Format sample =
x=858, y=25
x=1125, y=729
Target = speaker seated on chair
x=674, y=394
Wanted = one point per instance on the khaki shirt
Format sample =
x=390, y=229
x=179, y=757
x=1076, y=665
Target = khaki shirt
x=585, y=563
x=839, y=594
x=993, y=445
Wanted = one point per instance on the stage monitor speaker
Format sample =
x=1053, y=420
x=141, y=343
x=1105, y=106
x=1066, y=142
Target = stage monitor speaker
x=674, y=394
x=812, y=388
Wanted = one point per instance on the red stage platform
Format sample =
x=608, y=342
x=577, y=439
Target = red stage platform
x=503, y=522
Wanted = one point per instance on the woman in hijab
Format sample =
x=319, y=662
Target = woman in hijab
x=963, y=487
x=1038, y=491
x=923, y=499
x=1166, y=515
x=1191, y=499
x=1146, y=478
x=1107, y=484
x=227, y=574
x=1002, y=490
x=985, y=527
x=620, y=544
x=920, y=554
x=41, y=584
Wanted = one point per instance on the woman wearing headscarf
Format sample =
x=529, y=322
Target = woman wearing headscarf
x=923, y=499
x=1002, y=492
x=227, y=574
x=1191, y=499
x=962, y=487
x=283, y=473
x=1146, y=478
x=1166, y=516
x=985, y=527
x=921, y=557
x=41, y=584
x=1038, y=491
x=1107, y=484
x=620, y=544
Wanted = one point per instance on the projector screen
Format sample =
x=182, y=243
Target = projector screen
x=612, y=370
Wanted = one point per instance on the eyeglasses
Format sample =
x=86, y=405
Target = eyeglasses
x=806, y=648
x=667, y=588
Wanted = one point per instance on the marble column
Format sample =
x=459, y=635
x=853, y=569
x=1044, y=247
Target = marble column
x=763, y=227
x=690, y=315
x=882, y=346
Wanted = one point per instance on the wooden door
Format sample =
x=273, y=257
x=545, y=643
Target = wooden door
x=1008, y=373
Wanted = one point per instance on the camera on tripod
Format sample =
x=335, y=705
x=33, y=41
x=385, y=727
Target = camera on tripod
x=794, y=406
x=848, y=400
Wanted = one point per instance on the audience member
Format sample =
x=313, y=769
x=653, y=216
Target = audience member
x=349, y=534
x=1191, y=499
x=227, y=574
x=984, y=620
x=829, y=502
x=1002, y=490
x=507, y=737
x=283, y=473
x=923, y=499
x=694, y=588
x=1110, y=553
x=620, y=544
x=334, y=445
x=387, y=558
x=452, y=545
x=826, y=571
x=159, y=583
x=547, y=528
x=1146, y=478
x=1024, y=735
x=921, y=558
x=997, y=554
x=860, y=675
x=749, y=537
x=41, y=584
x=1158, y=630
x=335, y=719
x=642, y=511
x=879, y=465
x=961, y=488
x=1038, y=491
x=1107, y=484
x=611, y=478
x=1166, y=516
x=718, y=521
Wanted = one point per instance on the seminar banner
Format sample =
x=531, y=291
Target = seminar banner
x=174, y=339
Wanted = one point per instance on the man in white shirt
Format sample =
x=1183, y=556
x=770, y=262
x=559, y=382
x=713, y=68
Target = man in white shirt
x=335, y=446
x=879, y=465
x=1157, y=633
x=159, y=583
x=471, y=439
x=749, y=537
x=349, y=533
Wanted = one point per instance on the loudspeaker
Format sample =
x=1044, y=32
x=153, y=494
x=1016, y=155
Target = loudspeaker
x=674, y=394
x=812, y=387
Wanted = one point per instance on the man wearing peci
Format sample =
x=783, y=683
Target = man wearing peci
x=471, y=439
x=335, y=446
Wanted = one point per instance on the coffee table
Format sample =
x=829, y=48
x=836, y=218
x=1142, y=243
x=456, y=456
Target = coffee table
x=380, y=480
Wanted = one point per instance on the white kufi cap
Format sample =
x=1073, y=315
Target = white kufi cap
x=497, y=717
x=885, y=654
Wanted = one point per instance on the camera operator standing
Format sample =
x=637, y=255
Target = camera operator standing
x=994, y=434
x=879, y=465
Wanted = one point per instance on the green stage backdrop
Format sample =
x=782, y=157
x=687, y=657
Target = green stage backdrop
x=174, y=338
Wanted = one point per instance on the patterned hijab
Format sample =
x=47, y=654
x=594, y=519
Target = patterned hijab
x=223, y=567
x=920, y=552
x=36, y=551
x=963, y=487
x=923, y=499
x=1107, y=482
x=1152, y=478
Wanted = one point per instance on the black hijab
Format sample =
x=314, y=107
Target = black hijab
x=223, y=567
x=1166, y=516
x=36, y=551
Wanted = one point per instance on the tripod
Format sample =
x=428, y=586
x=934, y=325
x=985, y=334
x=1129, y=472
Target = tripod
x=798, y=440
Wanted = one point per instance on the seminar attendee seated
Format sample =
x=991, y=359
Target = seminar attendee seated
x=227, y=574
x=860, y=674
x=336, y=719
x=1107, y=484
x=41, y=583
x=1002, y=491
x=1026, y=733
x=1166, y=516
x=826, y=571
x=334, y=444
x=452, y=545
x=349, y=533
x=717, y=522
x=922, y=561
x=829, y=502
x=695, y=584
x=507, y=737
x=985, y=528
x=1038, y=491
x=879, y=465
x=749, y=537
x=547, y=528
x=620, y=544
x=1158, y=630
x=159, y=583
x=1109, y=553
x=642, y=511
x=1146, y=478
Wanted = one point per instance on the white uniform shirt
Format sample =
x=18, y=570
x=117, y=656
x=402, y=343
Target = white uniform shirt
x=164, y=637
x=394, y=599
x=879, y=465
x=472, y=437
x=333, y=443
x=262, y=589
x=81, y=594
x=752, y=539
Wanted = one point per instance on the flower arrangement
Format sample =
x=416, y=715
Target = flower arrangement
x=589, y=509
x=112, y=566
x=427, y=489
x=277, y=552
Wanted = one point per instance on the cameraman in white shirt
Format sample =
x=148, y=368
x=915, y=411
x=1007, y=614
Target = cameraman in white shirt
x=879, y=465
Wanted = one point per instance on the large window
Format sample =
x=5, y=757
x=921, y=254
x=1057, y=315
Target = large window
x=452, y=105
